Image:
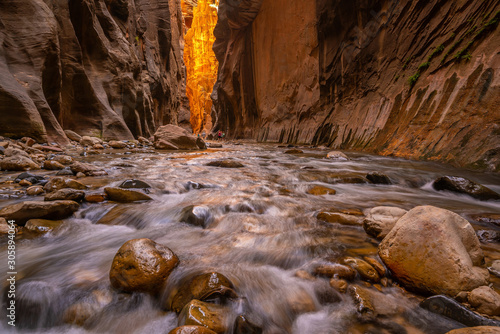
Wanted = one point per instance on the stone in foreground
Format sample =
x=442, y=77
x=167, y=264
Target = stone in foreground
x=22, y=212
x=435, y=251
x=142, y=265
x=125, y=195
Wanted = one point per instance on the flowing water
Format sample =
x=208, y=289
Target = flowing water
x=262, y=230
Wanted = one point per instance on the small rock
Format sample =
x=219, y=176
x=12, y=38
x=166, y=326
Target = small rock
x=197, y=215
x=335, y=271
x=378, y=178
x=117, y=144
x=211, y=316
x=86, y=169
x=65, y=194
x=215, y=145
x=339, y=218
x=79, y=313
x=225, y=164
x=14, y=152
x=4, y=226
x=22, y=212
x=125, y=195
x=58, y=182
x=365, y=270
x=485, y=300
x=90, y=141
x=488, y=218
x=52, y=165
x=379, y=267
x=25, y=183
x=321, y=190
x=191, y=329
x=336, y=155
x=63, y=159
x=144, y=141
x=381, y=219
x=80, y=175
x=42, y=225
x=28, y=141
x=134, y=184
x=34, y=191
x=465, y=186
x=142, y=265
x=294, y=151
x=97, y=147
x=34, y=179
x=339, y=284
x=95, y=197
x=4, y=144
x=476, y=330
x=73, y=135
x=50, y=149
x=66, y=171
x=304, y=275
x=18, y=163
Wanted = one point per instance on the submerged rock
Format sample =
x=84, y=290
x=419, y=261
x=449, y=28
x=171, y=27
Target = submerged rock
x=243, y=326
x=335, y=270
x=42, y=225
x=134, y=184
x=125, y=195
x=294, y=151
x=225, y=164
x=321, y=190
x=211, y=316
x=339, y=218
x=462, y=185
x=337, y=155
x=191, y=330
x=380, y=220
x=436, y=251
x=378, y=178
x=197, y=215
x=24, y=211
x=142, y=265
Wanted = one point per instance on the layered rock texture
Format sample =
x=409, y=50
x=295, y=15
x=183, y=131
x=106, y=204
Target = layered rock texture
x=106, y=68
x=201, y=63
x=416, y=79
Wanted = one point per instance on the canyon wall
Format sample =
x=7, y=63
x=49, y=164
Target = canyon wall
x=107, y=68
x=415, y=79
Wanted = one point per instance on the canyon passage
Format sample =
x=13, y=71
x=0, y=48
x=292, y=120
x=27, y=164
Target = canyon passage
x=249, y=166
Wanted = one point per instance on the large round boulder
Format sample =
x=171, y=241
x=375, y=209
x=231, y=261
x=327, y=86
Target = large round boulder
x=436, y=251
x=171, y=137
x=142, y=265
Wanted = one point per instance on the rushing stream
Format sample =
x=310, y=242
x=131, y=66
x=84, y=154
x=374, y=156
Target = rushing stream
x=262, y=230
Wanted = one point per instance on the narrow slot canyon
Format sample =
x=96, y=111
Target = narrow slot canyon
x=200, y=18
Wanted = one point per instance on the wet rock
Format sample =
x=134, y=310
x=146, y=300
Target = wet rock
x=339, y=284
x=134, y=184
x=190, y=185
x=37, y=304
x=58, y=182
x=125, y=195
x=90, y=141
x=215, y=145
x=211, y=316
x=476, y=330
x=80, y=175
x=321, y=190
x=87, y=169
x=65, y=172
x=28, y=141
x=78, y=314
x=95, y=197
x=52, y=165
x=379, y=267
x=205, y=287
x=191, y=330
x=117, y=144
x=488, y=236
x=485, y=300
x=14, y=152
x=378, y=178
x=197, y=215
x=144, y=141
x=294, y=151
x=201, y=144
x=225, y=164
x=50, y=149
x=335, y=271
x=243, y=326
x=380, y=220
x=339, y=218
x=97, y=147
x=365, y=270
x=450, y=308
x=142, y=265
x=171, y=137
x=336, y=155
x=18, y=163
x=32, y=178
x=42, y=225
x=495, y=268
x=25, y=183
x=433, y=250
x=34, y=191
x=371, y=304
x=465, y=186
x=65, y=194
x=72, y=135
x=63, y=159
x=22, y=212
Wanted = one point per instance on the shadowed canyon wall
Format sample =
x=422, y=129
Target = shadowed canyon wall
x=416, y=79
x=108, y=68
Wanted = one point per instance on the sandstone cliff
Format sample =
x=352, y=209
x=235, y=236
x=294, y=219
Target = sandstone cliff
x=110, y=68
x=416, y=79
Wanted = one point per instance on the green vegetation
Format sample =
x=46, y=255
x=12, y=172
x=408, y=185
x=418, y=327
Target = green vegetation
x=407, y=61
x=467, y=56
x=423, y=66
x=435, y=52
x=413, y=79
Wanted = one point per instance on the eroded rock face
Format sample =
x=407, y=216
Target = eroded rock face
x=436, y=251
x=142, y=265
x=341, y=79
x=104, y=68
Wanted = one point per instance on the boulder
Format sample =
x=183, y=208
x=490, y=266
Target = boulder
x=142, y=265
x=42, y=225
x=211, y=316
x=381, y=219
x=321, y=190
x=191, y=330
x=72, y=135
x=476, y=330
x=117, y=144
x=378, y=178
x=171, y=137
x=14, y=152
x=225, y=164
x=436, y=251
x=65, y=194
x=336, y=155
x=90, y=141
x=34, y=191
x=144, y=141
x=207, y=286
x=87, y=169
x=18, y=163
x=485, y=300
x=125, y=195
x=462, y=185
x=63, y=159
x=59, y=182
x=134, y=184
x=22, y=212
x=52, y=165
x=201, y=144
